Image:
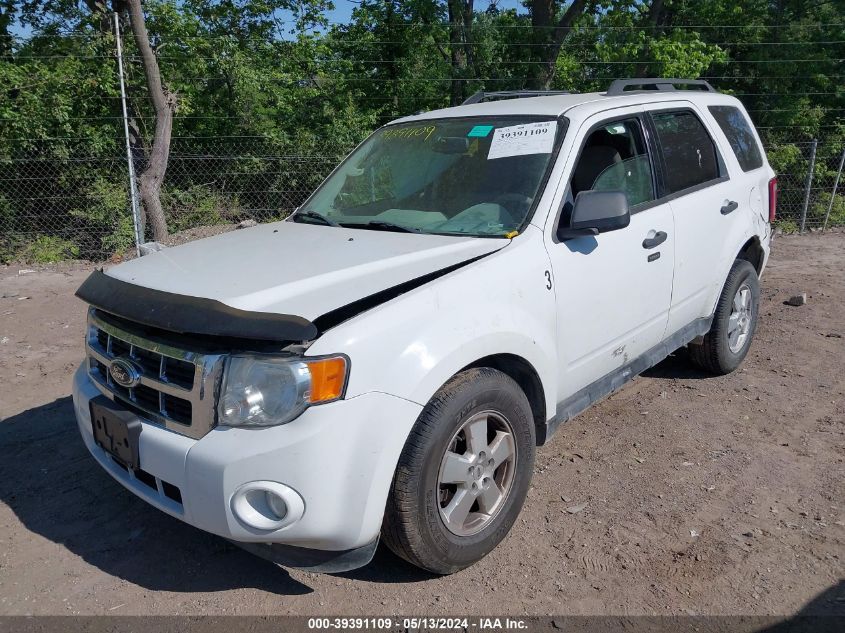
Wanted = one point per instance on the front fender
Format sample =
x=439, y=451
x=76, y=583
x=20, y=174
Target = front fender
x=410, y=346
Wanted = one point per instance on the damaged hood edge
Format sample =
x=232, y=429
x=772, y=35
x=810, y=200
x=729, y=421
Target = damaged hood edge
x=274, y=313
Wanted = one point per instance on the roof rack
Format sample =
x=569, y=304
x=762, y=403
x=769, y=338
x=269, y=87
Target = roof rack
x=480, y=96
x=619, y=86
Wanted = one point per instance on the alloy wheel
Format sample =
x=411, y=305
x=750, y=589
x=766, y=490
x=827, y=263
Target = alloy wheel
x=476, y=473
x=739, y=323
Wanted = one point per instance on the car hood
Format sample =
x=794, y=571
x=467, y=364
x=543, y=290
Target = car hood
x=298, y=269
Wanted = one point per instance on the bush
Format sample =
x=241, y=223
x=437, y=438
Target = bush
x=47, y=249
x=108, y=217
x=197, y=206
x=787, y=226
x=837, y=212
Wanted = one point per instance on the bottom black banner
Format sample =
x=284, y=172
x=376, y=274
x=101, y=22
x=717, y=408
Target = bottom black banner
x=368, y=624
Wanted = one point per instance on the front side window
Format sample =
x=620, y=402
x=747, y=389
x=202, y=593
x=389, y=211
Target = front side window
x=474, y=176
x=688, y=150
x=615, y=158
x=739, y=135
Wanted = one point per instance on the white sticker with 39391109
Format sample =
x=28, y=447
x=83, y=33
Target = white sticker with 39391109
x=518, y=140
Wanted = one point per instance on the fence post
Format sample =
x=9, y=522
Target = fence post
x=833, y=195
x=808, y=185
x=133, y=193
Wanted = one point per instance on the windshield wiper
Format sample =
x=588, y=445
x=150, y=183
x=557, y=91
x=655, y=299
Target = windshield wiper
x=387, y=226
x=313, y=215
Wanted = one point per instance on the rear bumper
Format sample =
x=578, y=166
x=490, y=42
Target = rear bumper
x=338, y=457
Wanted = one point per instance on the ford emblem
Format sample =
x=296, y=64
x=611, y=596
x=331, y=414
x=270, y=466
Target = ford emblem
x=124, y=373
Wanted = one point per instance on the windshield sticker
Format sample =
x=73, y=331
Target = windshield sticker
x=518, y=140
x=423, y=132
x=480, y=131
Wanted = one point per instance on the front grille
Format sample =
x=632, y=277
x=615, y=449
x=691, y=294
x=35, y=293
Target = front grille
x=176, y=387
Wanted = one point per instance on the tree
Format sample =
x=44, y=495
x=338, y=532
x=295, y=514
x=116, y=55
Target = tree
x=550, y=33
x=7, y=15
x=460, y=45
x=164, y=103
x=299, y=93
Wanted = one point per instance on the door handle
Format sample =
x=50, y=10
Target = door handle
x=657, y=240
x=730, y=205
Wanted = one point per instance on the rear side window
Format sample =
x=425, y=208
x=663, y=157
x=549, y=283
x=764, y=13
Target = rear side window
x=688, y=150
x=739, y=134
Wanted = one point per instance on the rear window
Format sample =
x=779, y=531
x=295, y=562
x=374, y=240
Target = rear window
x=688, y=150
x=740, y=136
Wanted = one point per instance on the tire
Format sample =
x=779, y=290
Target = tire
x=721, y=351
x=415, y=524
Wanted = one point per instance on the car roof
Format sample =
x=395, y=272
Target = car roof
x=585, y=103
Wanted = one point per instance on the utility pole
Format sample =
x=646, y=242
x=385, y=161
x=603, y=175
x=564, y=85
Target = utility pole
x=808, y=184
x=833, y=195
x=133, y=192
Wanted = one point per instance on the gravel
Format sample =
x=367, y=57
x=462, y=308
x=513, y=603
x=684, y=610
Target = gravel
x=764, y=445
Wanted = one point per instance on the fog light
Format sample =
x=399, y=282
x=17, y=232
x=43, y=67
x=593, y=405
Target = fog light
x=277, y=504
x=267, y=505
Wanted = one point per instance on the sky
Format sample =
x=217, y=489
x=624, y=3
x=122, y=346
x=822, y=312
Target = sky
x=343, y=8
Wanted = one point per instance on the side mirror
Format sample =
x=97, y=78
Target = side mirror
x=597, y=212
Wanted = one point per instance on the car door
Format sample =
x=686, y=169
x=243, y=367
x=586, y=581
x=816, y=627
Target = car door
x=706, y=208
x=612, y=290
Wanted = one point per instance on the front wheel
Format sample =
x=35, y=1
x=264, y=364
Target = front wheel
x=726, y=344
x=463, y=474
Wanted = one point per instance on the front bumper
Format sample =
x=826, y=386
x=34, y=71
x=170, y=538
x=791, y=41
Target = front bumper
x=339, y=457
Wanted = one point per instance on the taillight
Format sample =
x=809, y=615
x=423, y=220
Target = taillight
x=773, y=198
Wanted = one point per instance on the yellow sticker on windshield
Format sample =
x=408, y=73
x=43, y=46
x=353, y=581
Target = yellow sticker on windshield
x=423, y=131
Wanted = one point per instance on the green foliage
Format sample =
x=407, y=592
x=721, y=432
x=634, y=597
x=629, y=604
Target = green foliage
x=8, y=245
x=198, y=206
x=818, y=209
x=280, y=93
x=785, y=158
x=105, y=212
x=47, y=249
x=787, y=226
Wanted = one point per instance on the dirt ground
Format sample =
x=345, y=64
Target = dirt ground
x=702, y=495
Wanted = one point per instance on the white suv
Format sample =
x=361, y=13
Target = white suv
x=385, y=361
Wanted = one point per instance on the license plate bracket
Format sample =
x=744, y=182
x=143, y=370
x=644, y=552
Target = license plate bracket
x=116, y=430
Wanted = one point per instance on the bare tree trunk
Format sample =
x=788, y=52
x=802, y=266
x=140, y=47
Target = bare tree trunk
x=394, y=56
x=552, y=35
x=457, y=52
x=164, y=103
x=472, y=58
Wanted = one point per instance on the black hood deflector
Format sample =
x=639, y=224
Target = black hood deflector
x=190, y=315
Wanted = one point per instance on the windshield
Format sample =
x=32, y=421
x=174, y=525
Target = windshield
x=475, y=176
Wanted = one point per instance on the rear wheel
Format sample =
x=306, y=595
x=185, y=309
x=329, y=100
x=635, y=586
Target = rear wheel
x=463, y=473
x=726, y=344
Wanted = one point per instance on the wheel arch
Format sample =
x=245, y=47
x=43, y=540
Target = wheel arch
x=752, y=252
x=526, y=376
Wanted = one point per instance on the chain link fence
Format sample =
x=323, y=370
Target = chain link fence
x=62, y=201
x=806, y=190
x=77, y=206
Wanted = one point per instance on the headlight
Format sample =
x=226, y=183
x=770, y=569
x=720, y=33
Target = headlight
x=270, y=390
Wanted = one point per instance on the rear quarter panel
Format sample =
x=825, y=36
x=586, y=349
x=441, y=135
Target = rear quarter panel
x=750, y=189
